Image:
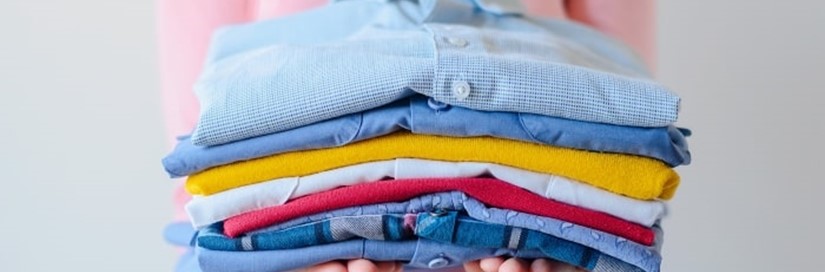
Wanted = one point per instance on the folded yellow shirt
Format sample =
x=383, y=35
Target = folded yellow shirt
x=632, y=176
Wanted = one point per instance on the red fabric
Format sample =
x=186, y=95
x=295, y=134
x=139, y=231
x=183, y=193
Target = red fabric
x=492, y=192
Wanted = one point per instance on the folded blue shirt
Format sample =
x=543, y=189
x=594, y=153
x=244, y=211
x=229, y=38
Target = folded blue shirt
x=456, y=51
x=426, y=116
x=647, y=258
x=421, y=254
x=440, y=226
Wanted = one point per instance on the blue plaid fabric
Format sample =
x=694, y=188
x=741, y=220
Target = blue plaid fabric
x=439, y=226
x=455, y=51
x=647, y=258
x=385, y=227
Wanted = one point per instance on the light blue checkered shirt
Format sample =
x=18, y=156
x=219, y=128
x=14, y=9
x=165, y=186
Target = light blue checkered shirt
x=353, y=56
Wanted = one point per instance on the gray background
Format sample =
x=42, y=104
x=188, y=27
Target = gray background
x=81, y=135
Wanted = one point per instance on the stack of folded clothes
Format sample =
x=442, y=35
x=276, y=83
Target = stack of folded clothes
x=431, y=133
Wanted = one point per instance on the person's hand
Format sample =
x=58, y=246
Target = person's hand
x=501, y=264
x=496, y=264
x=359, y=265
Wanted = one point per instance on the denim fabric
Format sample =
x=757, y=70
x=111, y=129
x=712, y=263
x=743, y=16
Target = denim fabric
x=441, y=226
x=647, y=258
x=422, y=116
x=429, y=256
x=386, y=227
x=450, y=50
x=419, y=253
x=465, y=231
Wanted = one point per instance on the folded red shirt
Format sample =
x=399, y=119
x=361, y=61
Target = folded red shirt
x=492, y=192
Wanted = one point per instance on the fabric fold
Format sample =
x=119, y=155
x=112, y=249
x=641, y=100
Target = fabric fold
x=207, y=210
x=632, y=176
x=492, y=192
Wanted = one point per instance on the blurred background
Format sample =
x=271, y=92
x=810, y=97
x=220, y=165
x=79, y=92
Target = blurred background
x=81, y=136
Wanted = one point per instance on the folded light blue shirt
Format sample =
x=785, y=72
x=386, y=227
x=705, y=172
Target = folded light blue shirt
x=358, y=55
x=421, y=115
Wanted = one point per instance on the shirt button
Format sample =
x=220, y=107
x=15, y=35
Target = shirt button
x=457, y=42
x=438, y=262
x=461, y=90
x=438, y=212
x=435, y=105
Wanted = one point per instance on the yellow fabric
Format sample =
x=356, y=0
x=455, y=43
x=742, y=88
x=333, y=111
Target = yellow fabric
x=632, y=176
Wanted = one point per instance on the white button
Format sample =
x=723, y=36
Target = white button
x=435, y=105
x=461, y=90
x=457, y=42
x=438, y=262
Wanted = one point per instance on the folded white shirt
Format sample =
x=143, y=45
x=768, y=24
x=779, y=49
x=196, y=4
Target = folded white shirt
x=206, y=210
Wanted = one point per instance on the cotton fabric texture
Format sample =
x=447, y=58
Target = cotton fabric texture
x=204, y=211
x=420, y=115
x=442, y=49
x=441, y=226
x=632, y=176
x=421, y=253
x=492, y=192
x=646, y=257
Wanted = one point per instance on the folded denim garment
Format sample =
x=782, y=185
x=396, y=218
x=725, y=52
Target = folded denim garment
x=421, y=116
x=646, y=257
x=441, y=226
x=633, y=176
x=421, y=253
x=207, y=210
x=383, y=227
x=426, y=258
x=492, y=192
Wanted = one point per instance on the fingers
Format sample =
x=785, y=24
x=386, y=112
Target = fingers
x=491, y=264
x=328, y=267
x=474, y=266
x=389, y=267
x=541, y=265
x=515, y=265
x=361, y=265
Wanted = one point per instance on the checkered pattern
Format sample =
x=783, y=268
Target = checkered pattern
x=372, y=227
x=545, y=71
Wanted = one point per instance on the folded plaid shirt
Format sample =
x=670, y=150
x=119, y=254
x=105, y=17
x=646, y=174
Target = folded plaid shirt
x=440, y=226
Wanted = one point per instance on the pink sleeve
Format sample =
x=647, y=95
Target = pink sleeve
x=184, y=30
x=631, y=21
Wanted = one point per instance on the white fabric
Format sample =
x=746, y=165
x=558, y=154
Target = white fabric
x=207, y=210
